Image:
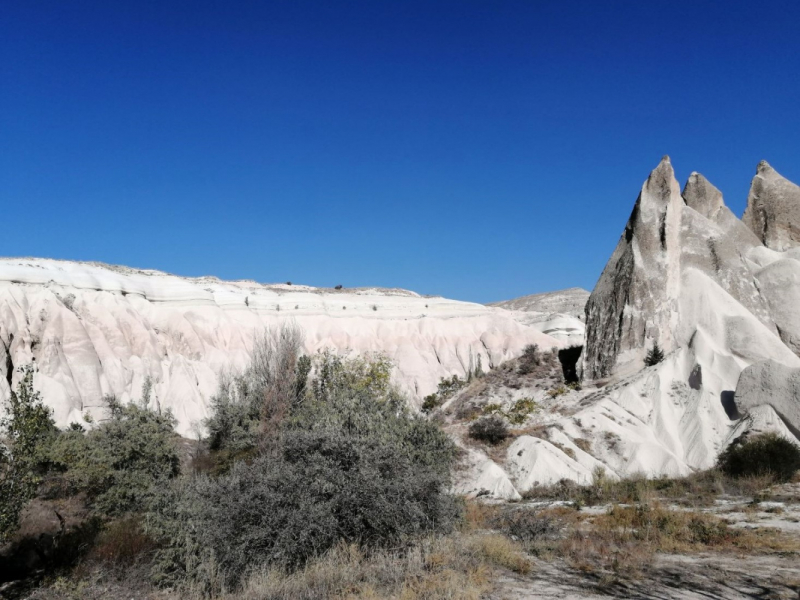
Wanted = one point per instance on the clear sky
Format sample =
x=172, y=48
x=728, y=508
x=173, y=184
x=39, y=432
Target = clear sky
x=477, y=150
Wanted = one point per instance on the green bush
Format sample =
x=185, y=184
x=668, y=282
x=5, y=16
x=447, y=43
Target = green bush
x=352, y=464
x=430, y=403
x=520, y=410
x=446, y=388
x=120, y=463
x=491, y=429
x=530, y=359
x=765, y=454
x=25, y=431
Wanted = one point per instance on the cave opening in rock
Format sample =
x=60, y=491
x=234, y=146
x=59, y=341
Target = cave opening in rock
x=568, y=357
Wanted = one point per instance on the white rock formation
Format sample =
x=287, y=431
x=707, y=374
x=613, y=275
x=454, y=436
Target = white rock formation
x=721, y=300
x=634, y=304
x=772, y=384
x=482, y=477
x=95, y=329
x=639, y=299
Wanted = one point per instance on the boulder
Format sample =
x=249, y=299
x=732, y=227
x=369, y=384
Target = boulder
x=772, y=384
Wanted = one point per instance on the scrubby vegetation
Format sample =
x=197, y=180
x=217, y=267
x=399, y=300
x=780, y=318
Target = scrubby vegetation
x=530, y=359
x=26, y=430
x=351, y=465
x=119, y=464
x=306, y=459
x=697, y=490
x=767, y=454
x=491, y=429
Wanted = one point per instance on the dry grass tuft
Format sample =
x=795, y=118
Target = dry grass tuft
x=479, y=515
x=697, y=490
x=436, y=569
x=503, y=552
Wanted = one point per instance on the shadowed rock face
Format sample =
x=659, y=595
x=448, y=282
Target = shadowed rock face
x=773, y=209
x=634, y=303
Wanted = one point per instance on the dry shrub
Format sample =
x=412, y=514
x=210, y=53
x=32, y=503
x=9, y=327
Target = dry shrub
x=583, y=444
x=529, y=525
x=122, y=542
x=479, y=515
x=696, y=490
x=491, y=429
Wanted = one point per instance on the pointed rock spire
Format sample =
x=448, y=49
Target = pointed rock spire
x=634, y=300
x=773, y=209
x=701, y=196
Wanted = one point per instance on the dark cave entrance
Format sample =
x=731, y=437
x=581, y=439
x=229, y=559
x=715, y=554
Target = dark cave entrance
x=569, y=357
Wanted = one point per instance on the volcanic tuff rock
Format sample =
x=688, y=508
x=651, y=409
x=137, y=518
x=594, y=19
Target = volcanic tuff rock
x=772, y=384
x=636, y=301
x=634, y=304
x=689, y=275
x=96, y=329
x=773, y=209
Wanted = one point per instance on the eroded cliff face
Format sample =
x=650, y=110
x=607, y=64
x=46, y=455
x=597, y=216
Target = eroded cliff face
x=96, y=329
x=773, y=209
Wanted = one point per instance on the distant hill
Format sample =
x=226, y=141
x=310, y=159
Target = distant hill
x=570, y=302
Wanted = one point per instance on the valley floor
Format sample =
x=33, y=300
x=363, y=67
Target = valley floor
x=727, y=547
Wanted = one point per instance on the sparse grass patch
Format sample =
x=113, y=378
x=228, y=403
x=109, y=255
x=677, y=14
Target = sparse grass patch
x=502, y=552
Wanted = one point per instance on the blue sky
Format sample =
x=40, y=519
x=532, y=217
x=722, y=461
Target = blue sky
x=476, y=150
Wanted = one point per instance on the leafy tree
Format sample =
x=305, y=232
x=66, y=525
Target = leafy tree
x=654, y=356
x=27, y=428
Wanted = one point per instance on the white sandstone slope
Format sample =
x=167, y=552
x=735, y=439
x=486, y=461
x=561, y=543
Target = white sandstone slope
x=96, y=329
